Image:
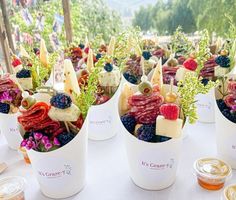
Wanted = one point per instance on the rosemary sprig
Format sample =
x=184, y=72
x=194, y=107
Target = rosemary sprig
x=203, y=50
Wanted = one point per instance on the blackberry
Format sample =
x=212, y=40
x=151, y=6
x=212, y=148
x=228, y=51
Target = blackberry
x=81, y=46
x=147, y=133
x=221, y=104
x=61, y=100
x=204, y=81
x=4, y=108
x=98, y=56
x=24, y=73
x=108, y=67
x=223, y=61
x=129, y=122
x=229, y=115
x=131, y=78
x=65, y=138
x=147, y=55
x=28, y=134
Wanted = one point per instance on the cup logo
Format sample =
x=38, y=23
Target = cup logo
x=66, y=171
x=158, y=166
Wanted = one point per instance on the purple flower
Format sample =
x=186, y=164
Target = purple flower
x=5, y=97
x=38, y=136
x=48, y=146
x=30, y=145
x=233, y=107
x=45, y=140
x=56, y=142
x=31, y=138
x=23, y=143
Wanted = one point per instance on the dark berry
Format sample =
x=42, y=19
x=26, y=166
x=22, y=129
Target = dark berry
x=81, y=46
x=24, y=73
x=229, y=115
x=204, y=81
x=65, y=138
x=147, y=55
x=108, y=67
x=4, y=108
x=131, y=78
x=221, y=104
x=223, y=61
x=98, y=56
x=147, y=132
x=28, y=134
x=129, y=122
x=61, y=100
x=159, y=138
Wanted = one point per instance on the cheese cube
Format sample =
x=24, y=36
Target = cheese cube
x=112, y=78
x=221, y=71
x=181, y=72
x=168, y=128
x=70, y=114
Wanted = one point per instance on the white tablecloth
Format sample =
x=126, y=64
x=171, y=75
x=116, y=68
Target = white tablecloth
x=108, y=177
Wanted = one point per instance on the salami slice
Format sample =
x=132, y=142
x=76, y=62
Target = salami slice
x=145, y=108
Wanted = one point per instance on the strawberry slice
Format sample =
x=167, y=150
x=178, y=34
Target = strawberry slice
x=16, y=62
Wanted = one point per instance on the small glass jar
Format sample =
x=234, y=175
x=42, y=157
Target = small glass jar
x=23, y=151
x=12, y=188
x=230, y=192
x=212, y=173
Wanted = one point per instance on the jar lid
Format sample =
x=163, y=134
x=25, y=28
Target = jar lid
x=230, y=192
x=11, y=187
x=212, y=168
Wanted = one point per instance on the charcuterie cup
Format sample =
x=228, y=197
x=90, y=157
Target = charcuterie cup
x=102, y=119
x=10, y=130
x=206, y=107
x=225, y=138
x=152, y=166
x=61, y=173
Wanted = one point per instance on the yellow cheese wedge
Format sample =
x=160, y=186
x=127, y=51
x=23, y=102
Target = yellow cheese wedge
x=125, y=94
x=168, y=128
x=90, y=64
x=157, y=77
x=71, y=84
x=43, y=56
x=23, y=52
x=111, y=47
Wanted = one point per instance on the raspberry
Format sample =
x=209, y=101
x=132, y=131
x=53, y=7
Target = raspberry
x=16, y=62
x=4, y=108
x=24, y=73
x=86, y=50
x=61, y=100
x=129, y=122
x=190, y=64
x=170, y=111
x=147, y=132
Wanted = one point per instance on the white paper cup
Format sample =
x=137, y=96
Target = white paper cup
x=152, y=166
x=225, y=138
x=61, y=173
x=102, y=119
x=206, y=107
x=10, y=129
